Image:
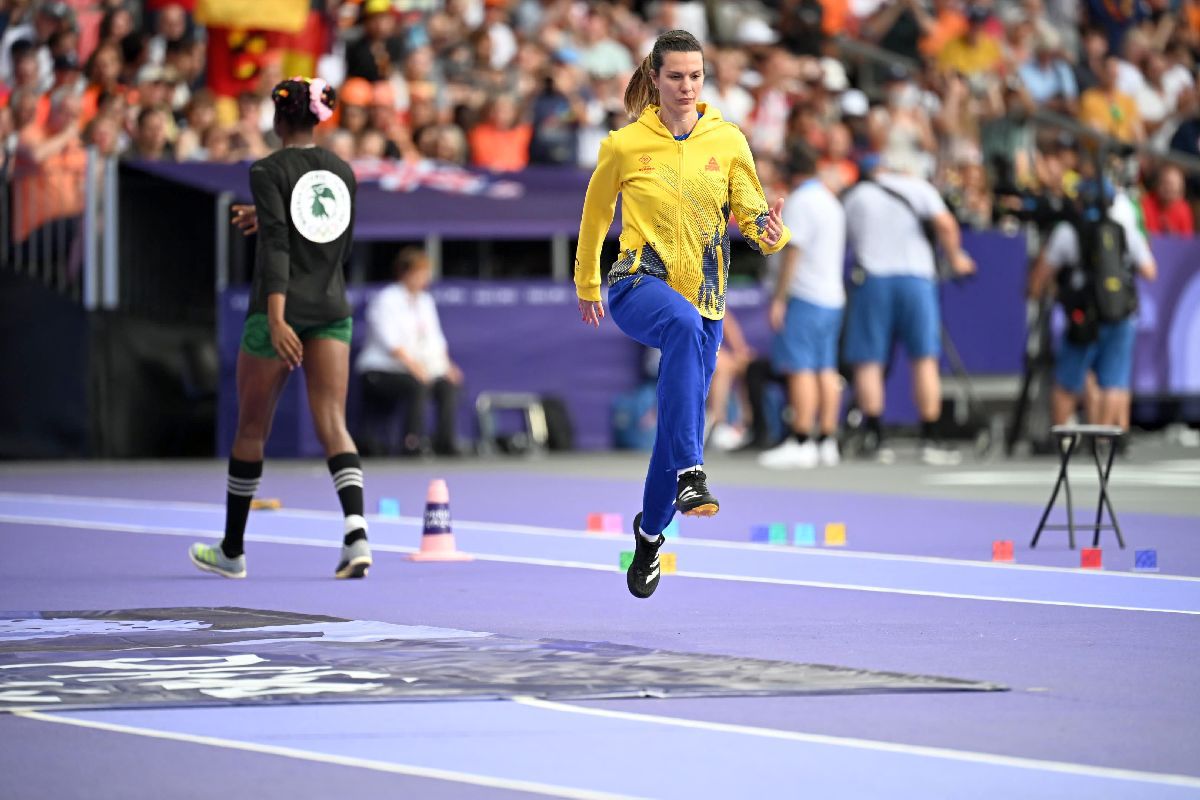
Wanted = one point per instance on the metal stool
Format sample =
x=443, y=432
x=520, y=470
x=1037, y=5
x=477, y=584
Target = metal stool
x=535, y=417
x=1068, y=437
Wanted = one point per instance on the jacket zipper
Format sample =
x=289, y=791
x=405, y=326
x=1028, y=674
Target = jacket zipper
x=679, y=209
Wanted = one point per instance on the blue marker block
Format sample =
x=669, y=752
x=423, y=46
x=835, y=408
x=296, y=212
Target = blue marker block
x=672, y=530
x=804, y=535
x=760, y=533
x=1145, y=560
x=389, y=507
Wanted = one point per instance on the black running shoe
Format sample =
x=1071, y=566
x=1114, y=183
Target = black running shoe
x=692, y=498
x=643, y=573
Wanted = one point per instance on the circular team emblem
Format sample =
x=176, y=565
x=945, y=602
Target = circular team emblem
x=320, y=206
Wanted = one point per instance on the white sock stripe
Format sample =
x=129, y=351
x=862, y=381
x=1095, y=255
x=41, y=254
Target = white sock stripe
x=233, y=479
x=342, y=484
x=241, y=492
x=347, y=471
x=243, y=484
x=355, y=522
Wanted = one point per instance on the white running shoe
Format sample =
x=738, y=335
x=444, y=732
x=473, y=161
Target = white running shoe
x=725, y=437
x=790, y=455
x=829, y=453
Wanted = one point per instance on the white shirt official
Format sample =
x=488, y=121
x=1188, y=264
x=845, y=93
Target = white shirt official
x=399, y=318
x=818, y=224
x=886, y=235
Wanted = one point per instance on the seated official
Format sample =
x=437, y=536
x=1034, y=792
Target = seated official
x=405, y=362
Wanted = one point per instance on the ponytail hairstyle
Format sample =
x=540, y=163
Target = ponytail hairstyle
x=301, y=103
x=641, y=91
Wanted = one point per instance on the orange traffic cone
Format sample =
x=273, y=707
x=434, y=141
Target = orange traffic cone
x=437, y=541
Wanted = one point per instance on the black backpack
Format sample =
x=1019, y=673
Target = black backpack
x=1100, y=288
x=1105, y=252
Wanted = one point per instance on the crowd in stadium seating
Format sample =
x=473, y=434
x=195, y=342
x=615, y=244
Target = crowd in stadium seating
x=502, y=84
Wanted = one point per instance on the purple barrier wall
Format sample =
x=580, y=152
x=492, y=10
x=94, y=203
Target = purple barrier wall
x=525, y=336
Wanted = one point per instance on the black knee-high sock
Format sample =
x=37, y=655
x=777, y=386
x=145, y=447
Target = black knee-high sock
x=346, y=469
x=244, y=477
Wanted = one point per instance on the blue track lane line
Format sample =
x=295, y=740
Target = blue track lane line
x=639, y=755
x=697, y=559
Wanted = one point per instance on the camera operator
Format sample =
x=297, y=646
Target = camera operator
x=1094, y=256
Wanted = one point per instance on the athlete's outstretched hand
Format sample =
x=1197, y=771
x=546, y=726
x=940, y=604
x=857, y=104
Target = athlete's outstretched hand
x=591, y=312
x=245, y=217
x=774, y=225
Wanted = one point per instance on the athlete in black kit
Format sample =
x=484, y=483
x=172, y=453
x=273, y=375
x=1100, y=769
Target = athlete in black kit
x=304, y=214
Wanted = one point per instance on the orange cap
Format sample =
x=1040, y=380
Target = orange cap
x=356, y=92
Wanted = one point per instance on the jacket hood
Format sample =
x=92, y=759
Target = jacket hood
x=710, y=119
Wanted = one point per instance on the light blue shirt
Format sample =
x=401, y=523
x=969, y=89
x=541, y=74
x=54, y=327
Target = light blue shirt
x=1044, y=84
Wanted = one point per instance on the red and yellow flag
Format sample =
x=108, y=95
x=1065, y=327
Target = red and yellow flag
x=285, y=16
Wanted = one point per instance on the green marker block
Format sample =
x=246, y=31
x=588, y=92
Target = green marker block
x=777, y=533
x=626, y=559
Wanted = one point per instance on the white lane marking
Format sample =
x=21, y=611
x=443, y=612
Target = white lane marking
x=455, y=776
x=972, y=756
x=567, y=533
x=550, y=562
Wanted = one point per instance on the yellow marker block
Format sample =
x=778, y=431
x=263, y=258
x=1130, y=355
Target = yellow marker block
x=269, y=504
x=666, y=563
x=835, y=534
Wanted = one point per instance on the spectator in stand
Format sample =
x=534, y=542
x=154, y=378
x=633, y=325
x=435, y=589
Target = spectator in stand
x=25, y=77
x=557, y=112
x=837, y=169
x=104, y=133
x=501, y=141
x=602, y=56
x=1156, y=100
x=385, y=119
x=150, y=139
x=381, y=48
x=1048, y=77
x=48, y=171
x=103, y=74
x=199, y=117
x=976, y=52
x=1110, y=111
x=946, y=23
x=1164, y=207
x=1091, y=67
x=726, y=91
x=354, y=104
x=170, y=25
x=67, y=74
x=116, y=24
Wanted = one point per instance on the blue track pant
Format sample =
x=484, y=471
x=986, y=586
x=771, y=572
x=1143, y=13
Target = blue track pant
x=654, y=314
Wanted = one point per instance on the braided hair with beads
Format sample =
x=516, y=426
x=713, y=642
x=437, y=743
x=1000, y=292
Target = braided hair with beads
x=300, y=103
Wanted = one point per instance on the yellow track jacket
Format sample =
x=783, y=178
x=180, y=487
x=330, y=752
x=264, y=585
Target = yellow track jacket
x=676, y=199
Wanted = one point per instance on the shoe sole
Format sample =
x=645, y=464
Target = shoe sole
x=357, y=568
x=216, y=570
x=702, y=510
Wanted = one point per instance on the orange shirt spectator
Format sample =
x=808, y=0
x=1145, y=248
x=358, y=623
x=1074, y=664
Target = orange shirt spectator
x=48, y=172
x=948, y=24
x=501, y=142
x=836, y=16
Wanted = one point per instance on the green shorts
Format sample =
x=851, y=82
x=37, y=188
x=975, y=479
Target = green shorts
x=256, y=334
